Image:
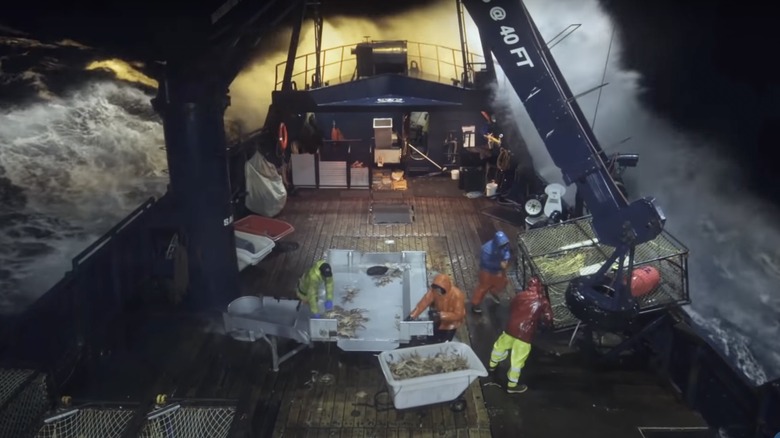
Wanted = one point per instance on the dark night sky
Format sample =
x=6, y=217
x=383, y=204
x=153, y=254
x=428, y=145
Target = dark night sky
x=706, y=65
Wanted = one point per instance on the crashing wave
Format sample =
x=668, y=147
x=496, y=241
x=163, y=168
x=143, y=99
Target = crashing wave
x=733, y=344
x=71, y=169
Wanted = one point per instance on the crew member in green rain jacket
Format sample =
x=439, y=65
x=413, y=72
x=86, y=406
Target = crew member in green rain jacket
x=309, y=285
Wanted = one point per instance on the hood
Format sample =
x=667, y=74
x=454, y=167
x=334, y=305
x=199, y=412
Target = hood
x=500, y=239
x=443, y=281
x=533, y=292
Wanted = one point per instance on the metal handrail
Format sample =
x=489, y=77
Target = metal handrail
x=105, y=238
x=329, y=74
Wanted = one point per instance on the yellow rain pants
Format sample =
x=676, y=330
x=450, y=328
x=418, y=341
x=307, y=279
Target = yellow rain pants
x=520, y=352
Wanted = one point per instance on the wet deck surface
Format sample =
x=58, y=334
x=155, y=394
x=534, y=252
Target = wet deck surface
x=325, y=392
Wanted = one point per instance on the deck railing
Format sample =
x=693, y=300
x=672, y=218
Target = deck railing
x=71, y=322
x=425, y=61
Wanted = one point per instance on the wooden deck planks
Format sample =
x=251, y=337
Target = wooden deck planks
x=347, y=404
x=346, y=407
x=451, y=231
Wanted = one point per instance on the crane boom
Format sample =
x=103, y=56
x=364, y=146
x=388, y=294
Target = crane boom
x=506, y=27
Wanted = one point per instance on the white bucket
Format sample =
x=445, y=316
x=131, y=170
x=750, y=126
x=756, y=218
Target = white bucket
x=490, y=189
x=455, y=174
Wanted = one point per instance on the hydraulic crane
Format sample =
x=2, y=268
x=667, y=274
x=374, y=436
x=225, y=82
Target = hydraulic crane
x=506, y=28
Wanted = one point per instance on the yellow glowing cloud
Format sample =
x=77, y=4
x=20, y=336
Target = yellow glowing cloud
x=436, y=24
x=123, y=71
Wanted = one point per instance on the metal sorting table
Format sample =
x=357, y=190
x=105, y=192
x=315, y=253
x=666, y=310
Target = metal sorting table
x=251, y=318
x=385, y=305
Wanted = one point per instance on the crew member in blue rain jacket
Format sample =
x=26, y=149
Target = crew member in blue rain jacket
x=493, y=263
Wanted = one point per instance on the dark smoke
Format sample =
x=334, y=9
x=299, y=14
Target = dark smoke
x=338, y=12
x=708, y=67
x=146, y=30
x=373, y=9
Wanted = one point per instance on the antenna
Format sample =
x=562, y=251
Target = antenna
x=603, y=76
x=597, y=87
x=464, y=46
x=568, y=30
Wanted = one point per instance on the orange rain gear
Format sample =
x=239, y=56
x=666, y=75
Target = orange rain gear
x=450, y=306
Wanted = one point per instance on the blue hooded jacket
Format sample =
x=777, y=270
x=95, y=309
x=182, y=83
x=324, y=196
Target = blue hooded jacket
x=492, y=253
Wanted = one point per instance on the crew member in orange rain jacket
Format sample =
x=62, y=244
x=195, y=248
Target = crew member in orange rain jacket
x=526, y=310
x=448, y=310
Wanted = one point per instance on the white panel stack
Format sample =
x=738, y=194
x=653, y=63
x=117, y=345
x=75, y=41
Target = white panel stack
x=333, y=174
x=358, y=177
x=303, y=173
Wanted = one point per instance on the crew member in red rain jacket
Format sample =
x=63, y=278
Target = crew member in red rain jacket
x=526, y=310
x=448, y=310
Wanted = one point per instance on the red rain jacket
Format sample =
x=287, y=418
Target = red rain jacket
x=526, y=310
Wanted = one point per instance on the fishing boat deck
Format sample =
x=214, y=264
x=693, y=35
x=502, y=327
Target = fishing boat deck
x=326, y=392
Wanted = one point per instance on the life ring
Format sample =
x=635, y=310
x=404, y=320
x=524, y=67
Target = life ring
x=283, y=136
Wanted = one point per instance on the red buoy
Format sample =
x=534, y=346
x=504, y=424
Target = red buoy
x=643, y=280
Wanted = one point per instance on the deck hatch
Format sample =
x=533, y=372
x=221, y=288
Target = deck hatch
x=382, y=213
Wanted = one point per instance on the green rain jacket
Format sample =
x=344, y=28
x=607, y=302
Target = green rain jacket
x=309, y=284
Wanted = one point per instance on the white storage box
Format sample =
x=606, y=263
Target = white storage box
x=387, y=156
x=437, y=388
x=263, y=246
